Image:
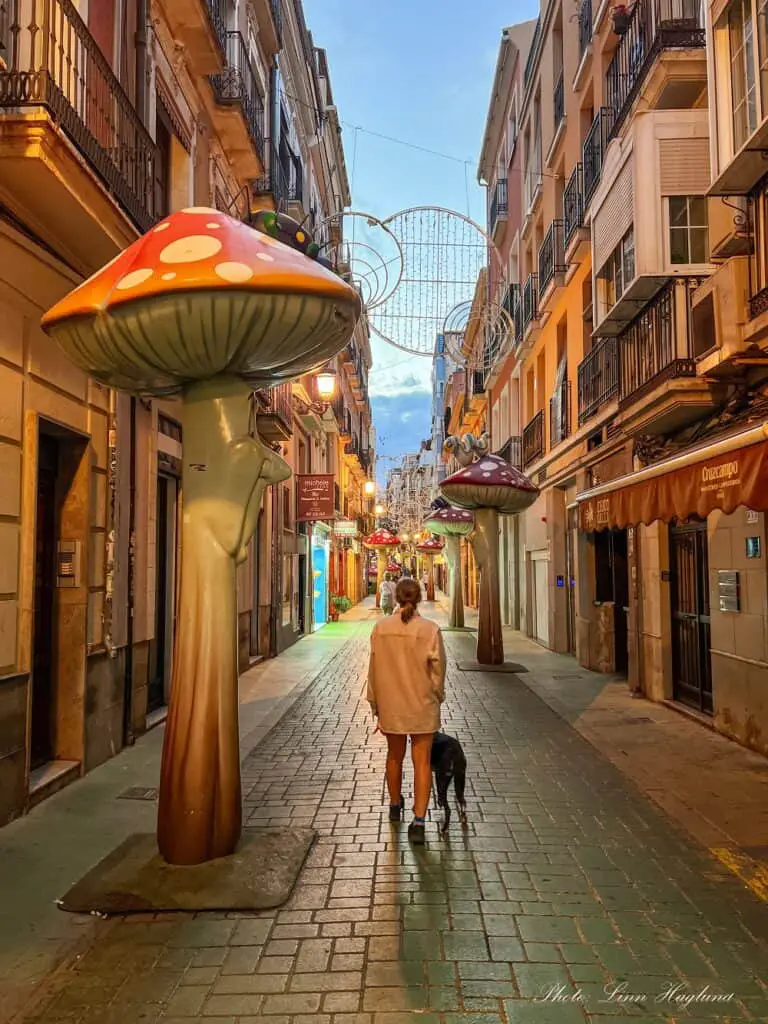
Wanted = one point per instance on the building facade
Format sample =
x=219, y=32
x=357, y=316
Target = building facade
x=153, y=107
x=634, y=256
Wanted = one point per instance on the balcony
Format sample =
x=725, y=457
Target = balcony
x=597, y=378
x=499, y=206
x=659, y=389
x=593, y=152
x=656, y=26
x=560, y=414
x=533, y=440
x=559, y=102
x=284, y=183
x=274, y=412
x=585, y=26
x=77, y=160
x=269, y=20
x=551, y=261
x=575, y=236
x=530, y=303
x=512, y=451
x=240, y=112
x=201, y=28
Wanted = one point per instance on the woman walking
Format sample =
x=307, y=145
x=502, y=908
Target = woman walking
x=387, y=594
x=406, y=686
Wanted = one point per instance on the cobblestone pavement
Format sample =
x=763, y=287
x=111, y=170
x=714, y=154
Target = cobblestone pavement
x=569, y=898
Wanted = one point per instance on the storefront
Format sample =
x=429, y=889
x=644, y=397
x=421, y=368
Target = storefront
x=321, y=554
x=685, y=542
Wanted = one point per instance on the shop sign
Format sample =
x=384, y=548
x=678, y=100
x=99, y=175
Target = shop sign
x=314, y=497
x=345, y=528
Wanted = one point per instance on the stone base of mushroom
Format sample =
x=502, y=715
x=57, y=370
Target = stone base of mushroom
x=225, y=473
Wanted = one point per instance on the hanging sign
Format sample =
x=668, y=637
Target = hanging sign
x=314, y=496
x=345, y=528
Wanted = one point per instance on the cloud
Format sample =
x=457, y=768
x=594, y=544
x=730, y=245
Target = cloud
x=402, y=422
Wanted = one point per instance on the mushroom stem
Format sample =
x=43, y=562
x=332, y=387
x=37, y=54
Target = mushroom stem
x=381, y=568
x=225, y=472
x=485, y=541
x=453, y=558
x=430, y=559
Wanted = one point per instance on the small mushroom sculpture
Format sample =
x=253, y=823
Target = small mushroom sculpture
x=207, y=308
x=428, y=548
x=490, y=487
x=453, y=524
x=383, y=543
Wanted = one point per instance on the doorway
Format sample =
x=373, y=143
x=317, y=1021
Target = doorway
x=165, y=593
x=612, y=588
x=302, y=593
x=691, y=658
x=260, y=559
x=43, y=724
x=571, y=536
x=540, y=596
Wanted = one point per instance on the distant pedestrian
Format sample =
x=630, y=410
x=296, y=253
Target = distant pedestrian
x=406, y=686
x=387, y=594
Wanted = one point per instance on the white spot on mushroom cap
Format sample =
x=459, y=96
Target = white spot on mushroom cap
x=234, y=272
x=169, y=277
x=213, y=225
x=162, y=227
x=190, y=249
x=265, y=257
x=200, y=209
x=135, y=277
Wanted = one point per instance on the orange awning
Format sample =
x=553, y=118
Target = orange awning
x=722, y=475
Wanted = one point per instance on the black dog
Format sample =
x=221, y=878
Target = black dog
x=449, y=762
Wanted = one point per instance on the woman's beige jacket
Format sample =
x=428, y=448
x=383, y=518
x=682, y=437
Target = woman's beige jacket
x=406, y=674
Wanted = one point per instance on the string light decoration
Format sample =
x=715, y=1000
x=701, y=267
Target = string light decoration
x=365, y=252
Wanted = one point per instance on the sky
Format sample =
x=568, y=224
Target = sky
x=420, y=71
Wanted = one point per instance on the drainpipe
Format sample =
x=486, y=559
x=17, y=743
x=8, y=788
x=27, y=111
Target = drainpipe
x=128, y=736
x=275, y=580
x=141, y=59
x=110, y=554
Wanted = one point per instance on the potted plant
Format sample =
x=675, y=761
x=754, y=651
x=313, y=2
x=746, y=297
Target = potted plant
x=621, y=14
x=340, y=603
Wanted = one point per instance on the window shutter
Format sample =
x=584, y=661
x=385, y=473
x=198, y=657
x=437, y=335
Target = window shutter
x=684, y=167
x=614, y=218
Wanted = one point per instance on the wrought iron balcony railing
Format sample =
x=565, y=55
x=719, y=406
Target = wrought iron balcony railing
x=533, y=439
x=285, y=179
x=573, y=206
x=657, y=344
x=512, y=451
x=277, y=401
x=654, y=25
x=551, y=256
x=52, y=61
x=559, y=100
x=597, y=378
x=585, y=25
x=217, y=13
x=530, y=301
x=560, y=414
x=236, y=84
x=594, y=151
x=499, y=203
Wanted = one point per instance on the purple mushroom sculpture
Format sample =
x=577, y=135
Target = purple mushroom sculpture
x=490, y=487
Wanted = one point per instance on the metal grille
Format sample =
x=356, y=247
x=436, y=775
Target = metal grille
x=533, y=439
x=236, y=84
x=573, y=205
x=551, y=255
x=597, y=378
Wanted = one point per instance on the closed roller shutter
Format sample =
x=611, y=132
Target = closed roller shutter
x=684, y=167
x=615, y=216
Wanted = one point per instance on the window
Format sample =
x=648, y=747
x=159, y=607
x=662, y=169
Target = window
x=688, y=231
x=619, y=270
x=742, y=57
x=512, y=132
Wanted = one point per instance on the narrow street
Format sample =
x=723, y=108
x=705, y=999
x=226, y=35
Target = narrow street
x=570, y=897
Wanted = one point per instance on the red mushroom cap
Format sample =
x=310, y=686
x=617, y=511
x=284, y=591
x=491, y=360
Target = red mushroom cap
x=490, y=483
x=382, y=539
x=450, y=522
x=430, y=546
x=202, y=294
x=393, y=567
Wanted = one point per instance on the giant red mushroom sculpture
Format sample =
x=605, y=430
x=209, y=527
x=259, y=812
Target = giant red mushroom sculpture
x=428, y=549
x=382, y=542
x=453, y=524
x=204, y=307
x=490, y=487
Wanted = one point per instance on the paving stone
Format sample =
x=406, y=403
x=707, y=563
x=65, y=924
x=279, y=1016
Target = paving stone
x=465, y=946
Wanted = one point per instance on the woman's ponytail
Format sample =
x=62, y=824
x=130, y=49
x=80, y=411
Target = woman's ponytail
x=408, y=595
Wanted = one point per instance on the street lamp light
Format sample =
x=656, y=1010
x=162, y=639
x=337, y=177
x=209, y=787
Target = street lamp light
x=379, y=510
x=325, y=383
x=369, y=488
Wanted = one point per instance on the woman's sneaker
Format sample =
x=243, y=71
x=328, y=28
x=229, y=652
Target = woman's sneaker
x=416, y=833
x=396, y=811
